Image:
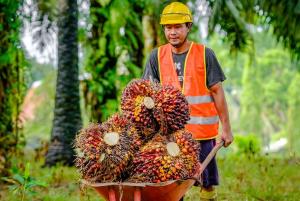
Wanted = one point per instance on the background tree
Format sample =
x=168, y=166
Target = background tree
x=67, y=115
x=293, y=128
x=238, y=19
x=152, y=31
x=238, y=22
x=115, y=53
x=12, y=86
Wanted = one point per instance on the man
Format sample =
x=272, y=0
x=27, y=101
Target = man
x=194, y=69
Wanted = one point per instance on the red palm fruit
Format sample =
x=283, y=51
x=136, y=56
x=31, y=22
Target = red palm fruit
x=171, y=109
x=120, y=123
x=137, y=103
x=103, y=150
x=162, y=158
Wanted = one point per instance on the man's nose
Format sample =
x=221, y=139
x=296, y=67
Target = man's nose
x=173, y=31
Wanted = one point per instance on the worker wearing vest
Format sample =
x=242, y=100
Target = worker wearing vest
x=193, y=69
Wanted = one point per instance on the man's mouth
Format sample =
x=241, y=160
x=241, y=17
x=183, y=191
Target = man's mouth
x=173, y=39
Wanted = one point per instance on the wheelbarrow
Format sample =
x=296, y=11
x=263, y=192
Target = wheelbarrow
x=170, y=190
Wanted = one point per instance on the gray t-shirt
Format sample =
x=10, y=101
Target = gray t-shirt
x=214, y=73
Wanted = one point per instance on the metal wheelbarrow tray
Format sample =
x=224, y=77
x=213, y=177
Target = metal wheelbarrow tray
x=164, y=191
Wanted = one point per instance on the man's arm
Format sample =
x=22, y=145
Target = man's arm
x=151, y=69
x=221, y=106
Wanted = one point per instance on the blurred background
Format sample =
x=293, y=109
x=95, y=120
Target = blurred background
x=64, y=64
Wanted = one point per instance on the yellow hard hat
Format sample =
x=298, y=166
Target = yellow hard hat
x=176, y=13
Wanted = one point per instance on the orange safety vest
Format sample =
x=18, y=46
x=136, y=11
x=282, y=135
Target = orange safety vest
x=204, y=119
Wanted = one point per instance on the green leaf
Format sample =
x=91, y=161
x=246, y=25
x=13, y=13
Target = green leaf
x=103, y=2
x=27, y=171
x=35, y=183
x=8, y=180
x=32, y=192
x=133, y=39
x=14, y=188
x=6, y=58
x=19, y=178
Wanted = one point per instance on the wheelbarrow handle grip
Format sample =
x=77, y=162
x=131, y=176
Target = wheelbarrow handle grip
x=211, y=155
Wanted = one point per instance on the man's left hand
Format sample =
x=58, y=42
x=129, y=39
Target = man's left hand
x=227, y=138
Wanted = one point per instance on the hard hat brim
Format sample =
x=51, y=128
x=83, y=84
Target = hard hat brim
x=175, y=18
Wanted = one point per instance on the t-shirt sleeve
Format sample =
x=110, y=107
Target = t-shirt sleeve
x=214, y=72
x=151, y=69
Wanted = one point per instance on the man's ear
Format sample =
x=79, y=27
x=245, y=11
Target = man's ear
x=189, y=25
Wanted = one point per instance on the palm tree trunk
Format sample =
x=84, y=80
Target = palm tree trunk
x=67, y=115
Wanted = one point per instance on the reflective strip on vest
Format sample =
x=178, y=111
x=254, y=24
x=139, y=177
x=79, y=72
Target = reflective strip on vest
x=199, y=99
x=203, y=120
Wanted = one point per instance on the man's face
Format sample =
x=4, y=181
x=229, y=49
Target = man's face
x=176, y=34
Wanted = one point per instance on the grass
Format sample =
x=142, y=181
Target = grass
x=241, y=178
x=63, y=184
x=256, y=178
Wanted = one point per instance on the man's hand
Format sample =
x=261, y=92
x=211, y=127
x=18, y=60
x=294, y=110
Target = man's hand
x=227, y=138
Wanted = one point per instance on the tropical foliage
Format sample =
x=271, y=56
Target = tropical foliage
x=240, y=19
x=114, y=50
x=12, y=87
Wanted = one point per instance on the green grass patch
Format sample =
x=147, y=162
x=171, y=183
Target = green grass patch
x=241, y=178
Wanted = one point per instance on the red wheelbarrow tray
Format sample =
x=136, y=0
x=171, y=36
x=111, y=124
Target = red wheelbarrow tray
x=171, y=190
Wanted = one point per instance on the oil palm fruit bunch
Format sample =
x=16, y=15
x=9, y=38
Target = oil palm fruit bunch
x=137, y=103
x=120, y=122
x=171, y=109
x=151, y=107
x=104, y=150
x=166, y=158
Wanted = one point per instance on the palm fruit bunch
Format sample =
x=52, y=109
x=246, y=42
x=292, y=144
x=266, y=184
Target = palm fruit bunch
x=137, y=103
x=104, y=150
x=151, y=107
x=166, y=158
x=171, y=109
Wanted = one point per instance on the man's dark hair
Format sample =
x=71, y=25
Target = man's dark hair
x=188, y=25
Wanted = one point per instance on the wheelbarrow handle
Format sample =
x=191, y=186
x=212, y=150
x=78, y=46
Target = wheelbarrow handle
x=207, y=160
x=211, y=155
